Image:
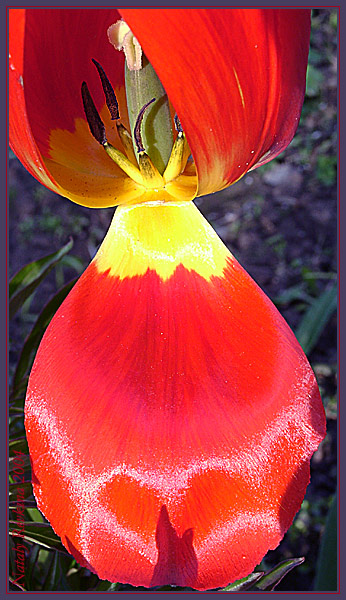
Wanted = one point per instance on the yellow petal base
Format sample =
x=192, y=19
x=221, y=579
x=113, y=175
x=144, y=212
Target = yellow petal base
x=161, y=237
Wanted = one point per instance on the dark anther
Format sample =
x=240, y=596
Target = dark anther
x=178, y=124
x=137, y=129
x=110, y=96
x=96, y=126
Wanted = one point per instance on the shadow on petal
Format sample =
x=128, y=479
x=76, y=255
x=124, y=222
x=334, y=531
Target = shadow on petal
x=34, y=480
x=177, y=561
x=77, y=555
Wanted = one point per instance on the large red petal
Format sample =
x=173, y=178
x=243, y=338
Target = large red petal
x=236, y=77
x=171, y=414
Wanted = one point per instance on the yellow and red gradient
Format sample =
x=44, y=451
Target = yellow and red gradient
x=171, y=413
x=236, y=81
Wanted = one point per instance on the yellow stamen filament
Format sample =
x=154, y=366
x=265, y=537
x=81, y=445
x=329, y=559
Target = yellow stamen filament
x=127, y=143
x=149, y=172
x=130, y=169
x=177, y=160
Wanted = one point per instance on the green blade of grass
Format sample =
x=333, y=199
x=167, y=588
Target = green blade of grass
x=23, y=465
x=271, y=579
x=55, y=578
x=39, y=533
x=20, y=490
x=18, y=445
x=316, y=318
x=30, y=566
x=26, y=503
x=24, y=283
x=327, y=564
x=16, y=585
x=107, y=586
x=243, y=584
x=33, y=340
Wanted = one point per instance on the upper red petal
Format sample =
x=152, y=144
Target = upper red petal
x=59, y=47
x=51, y=55
x=236, y=78
x=22, y=140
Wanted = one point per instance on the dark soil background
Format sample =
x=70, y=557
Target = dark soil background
x=280, y=221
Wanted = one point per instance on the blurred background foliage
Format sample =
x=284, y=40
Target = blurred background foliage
x=280, y=221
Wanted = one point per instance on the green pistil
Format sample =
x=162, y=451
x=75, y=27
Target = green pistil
x=156, y=128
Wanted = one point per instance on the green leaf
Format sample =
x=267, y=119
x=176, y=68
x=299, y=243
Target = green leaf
x=314, y=81
x=17, y=410
x=17, y=423
x=26, y=503
x=292, y=294
x=316, y=318
x=18, y=491
x=32, y=342
x=55, y=578
x=18, y=445
x=11, y=557
x=18, y=465
x=40, y=533
x=73, y=262
x=307, y=274
x=24, y=283
x=107, y=586
x=327, y=571
x=243, y=584
x=31, y=565
x=16, y=585
x=326, y=169
x=34, y=514
x=271, y=579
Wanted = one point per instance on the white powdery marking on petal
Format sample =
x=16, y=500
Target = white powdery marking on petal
x=246, y=522
x=84, y=486
x=170, y=482
x=85, y=489
x=98, y=518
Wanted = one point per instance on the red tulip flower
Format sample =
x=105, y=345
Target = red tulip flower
x=171, y=413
